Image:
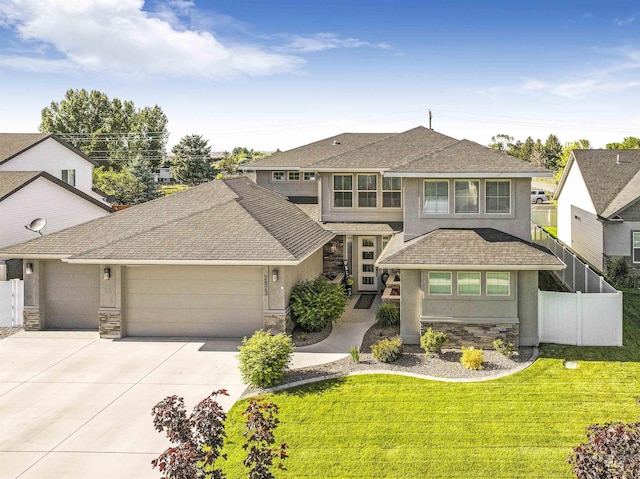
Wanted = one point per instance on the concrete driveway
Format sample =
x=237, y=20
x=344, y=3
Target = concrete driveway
x=75, y=406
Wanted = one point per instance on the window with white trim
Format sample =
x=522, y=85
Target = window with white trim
x=367, y=191
x=636, y=247
x=497, y=196
x=498, y=283
x=436, y=196
x=69, y=177
x=309, y=176
x=469, y=283
x=277, y=176
x=439, y=282
x=293, y=176
x=467, y=196
x=391, y=192
x=343, y=191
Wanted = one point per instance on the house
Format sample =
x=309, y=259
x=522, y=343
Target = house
x=217, y=260
x=451, y=217
x=599, y=206
x=163, y=175
x=48, y=152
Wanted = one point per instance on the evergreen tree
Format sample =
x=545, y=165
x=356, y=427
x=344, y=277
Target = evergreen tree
x=147, y=187
x=191, y=163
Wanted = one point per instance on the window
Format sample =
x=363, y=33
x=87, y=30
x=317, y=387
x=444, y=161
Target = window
x=469, y=284
x=436, y=197
x=342, y=191
x=309, y=176
x=498, y=196
x=439, y=282
x=277, y=176
x=69, y=177
x=294, y=176
x=466, y=196
x=367, y=191
x=391, y=192
x=498, y=284
x=636, y=247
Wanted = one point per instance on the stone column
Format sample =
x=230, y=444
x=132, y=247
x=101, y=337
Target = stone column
x=110, y=312
x=33, y=316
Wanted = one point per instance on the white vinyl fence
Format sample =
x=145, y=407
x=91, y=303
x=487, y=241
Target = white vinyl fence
x=591, y=315
x=11, y=303
x=547, y=216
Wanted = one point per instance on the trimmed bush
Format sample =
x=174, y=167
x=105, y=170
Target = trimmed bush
x=472, y=358
x=264, y=358
x=317, y=303
x=432, y=341
x=388, y=315
x=387, y=350
x=503, y=346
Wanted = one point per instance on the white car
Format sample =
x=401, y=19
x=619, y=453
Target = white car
x=538, y=196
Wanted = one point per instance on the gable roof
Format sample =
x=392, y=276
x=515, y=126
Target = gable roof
x=467, y=157
x=480, y=248
x=612, y=185
x=13, y=181
x=231, y=221
x=14, y=144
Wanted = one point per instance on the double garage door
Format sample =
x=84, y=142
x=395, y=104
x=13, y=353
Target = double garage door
x=183, y=301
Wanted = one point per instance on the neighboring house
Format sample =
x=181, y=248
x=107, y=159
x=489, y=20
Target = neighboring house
x=217, y=260
x=599, y=206
x=163, y=175
x=47, y=152
x=452, y=217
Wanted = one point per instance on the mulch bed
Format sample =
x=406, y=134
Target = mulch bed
x=303, y=338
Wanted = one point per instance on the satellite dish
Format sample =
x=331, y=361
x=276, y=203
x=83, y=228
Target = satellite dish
x=37, y=226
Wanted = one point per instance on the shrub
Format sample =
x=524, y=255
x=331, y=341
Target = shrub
x=387, y=350
x=432, y=341
x=388, y=315
x=503, y=346
x=355, y=354
x=317, y=303
x=264, y=357
x=472, y=358
x=617, y=270
x=611, y=452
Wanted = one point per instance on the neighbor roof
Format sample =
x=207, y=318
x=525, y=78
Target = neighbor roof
x=612, y=185
x=231, y=221
x=13, y=144
x=480, y=248
x=13, y=181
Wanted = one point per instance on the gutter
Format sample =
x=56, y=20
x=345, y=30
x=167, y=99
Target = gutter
x=467, y=267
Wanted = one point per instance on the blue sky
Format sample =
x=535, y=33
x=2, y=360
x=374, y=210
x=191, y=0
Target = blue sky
x=282, y=73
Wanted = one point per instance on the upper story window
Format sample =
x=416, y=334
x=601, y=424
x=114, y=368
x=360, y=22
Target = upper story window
x=469, y=283
x=309, y=176
x=436, y=196
x=392, y=192
x=294, y=176
x=497, y=196
x=636, y=247
x=69, y=177
x=467, y=196
x=367, y=191
x=277, y=176
x=498, y=283
x=343, y=191
x=440, y=282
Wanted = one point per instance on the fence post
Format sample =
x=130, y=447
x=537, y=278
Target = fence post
x=578, y=318
x=586, y=278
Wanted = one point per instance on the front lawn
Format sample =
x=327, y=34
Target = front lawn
x=519, y=426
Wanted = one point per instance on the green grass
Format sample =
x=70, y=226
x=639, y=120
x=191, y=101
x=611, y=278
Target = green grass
x=173, y=188
x=523, y=425
x=552, y=230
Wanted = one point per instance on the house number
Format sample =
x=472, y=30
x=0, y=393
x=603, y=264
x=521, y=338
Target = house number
x=266, y=285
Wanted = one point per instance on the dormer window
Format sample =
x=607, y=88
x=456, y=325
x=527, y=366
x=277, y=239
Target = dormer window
x=69, y=177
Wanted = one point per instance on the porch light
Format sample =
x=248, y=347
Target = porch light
x=28, y=269
x=334, y=247
x=106, y=273
x=274, y=275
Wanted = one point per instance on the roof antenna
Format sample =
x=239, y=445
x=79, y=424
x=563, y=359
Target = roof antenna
x=430, y=116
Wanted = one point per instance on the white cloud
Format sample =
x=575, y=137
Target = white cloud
x=326, y=41
x=531, y=84
x=627, y=21
x=118, y=37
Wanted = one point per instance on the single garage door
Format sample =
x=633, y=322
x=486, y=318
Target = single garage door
x=202, y=301
x=72, y=295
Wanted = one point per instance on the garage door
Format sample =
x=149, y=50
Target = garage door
x=72, y=295
x=183, y=301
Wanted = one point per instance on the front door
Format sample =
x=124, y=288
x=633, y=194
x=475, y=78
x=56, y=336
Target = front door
x=367, y=278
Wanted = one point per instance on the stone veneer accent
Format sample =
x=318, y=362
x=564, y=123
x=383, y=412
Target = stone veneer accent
x=110, y=323
x=332, y=261
x=31, y=319
x=277, y=322
x=479, y=335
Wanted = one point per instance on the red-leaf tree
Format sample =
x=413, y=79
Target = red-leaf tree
x=262, y=421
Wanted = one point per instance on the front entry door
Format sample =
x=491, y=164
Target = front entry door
x=367, y=278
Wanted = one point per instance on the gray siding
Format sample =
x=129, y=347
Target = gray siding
x=632, y=213
x=287, y=188
x=310, y=268
x=587, y=236
x=528, y=307
x=516, y=223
